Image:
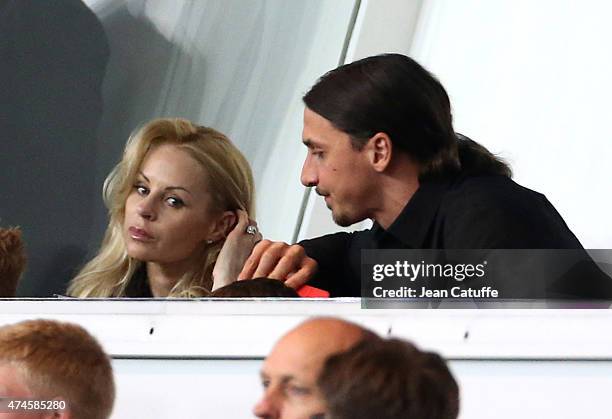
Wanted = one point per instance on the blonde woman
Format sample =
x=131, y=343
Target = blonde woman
x=179, y=203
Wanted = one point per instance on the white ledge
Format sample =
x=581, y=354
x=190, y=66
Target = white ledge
x=228, y=329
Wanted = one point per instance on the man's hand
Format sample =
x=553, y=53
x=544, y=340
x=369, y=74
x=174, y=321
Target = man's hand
x=278, y=260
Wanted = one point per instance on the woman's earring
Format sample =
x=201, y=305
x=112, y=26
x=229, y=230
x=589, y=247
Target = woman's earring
x=209, y=241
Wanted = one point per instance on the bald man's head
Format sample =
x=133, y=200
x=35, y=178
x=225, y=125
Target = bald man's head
x=290, y=372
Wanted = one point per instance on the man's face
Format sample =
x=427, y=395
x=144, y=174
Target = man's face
x=289, y=374
x=289, y=377
x=13, y=387
x=340, y=173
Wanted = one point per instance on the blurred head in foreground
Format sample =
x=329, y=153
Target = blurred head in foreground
x=12, y=261
x=289, y=373
x=48, y=360
x=258, y=287
x=388, y=379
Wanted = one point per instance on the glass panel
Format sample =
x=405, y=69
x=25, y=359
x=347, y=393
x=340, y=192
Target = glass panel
x=78, y=78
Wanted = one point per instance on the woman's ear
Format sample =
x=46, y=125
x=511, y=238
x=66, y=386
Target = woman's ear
x=224, y=224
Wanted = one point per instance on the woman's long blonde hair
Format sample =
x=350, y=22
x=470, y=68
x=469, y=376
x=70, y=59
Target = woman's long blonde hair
x=230, y=184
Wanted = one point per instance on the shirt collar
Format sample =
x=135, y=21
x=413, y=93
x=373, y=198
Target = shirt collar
x=411, y=227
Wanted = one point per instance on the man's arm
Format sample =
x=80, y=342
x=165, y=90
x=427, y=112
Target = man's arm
x=332, y=255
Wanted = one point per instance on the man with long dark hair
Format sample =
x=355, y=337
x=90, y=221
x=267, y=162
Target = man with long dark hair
x=381, y=146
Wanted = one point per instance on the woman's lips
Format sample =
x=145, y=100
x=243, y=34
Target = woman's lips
x=139, y=234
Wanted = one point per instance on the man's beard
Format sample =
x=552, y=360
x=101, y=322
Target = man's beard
x=343, y=220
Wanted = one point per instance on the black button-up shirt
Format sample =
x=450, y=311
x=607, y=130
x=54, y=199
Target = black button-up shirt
x=468, y=212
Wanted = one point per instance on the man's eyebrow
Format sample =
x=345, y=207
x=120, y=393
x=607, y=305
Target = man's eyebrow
x=168, y=188
x=287, y=378
x=310, y=143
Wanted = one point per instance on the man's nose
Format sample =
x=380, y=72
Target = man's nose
x=309, y=174
x=268, y=406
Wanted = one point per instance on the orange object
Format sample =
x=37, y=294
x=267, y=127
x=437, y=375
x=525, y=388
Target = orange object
x=307, y=291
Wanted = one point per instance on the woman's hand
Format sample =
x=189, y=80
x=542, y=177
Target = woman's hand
x=236, y=250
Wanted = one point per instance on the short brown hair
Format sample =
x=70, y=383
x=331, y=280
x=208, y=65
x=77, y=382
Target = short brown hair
x=61, y=360
x=12, y=260
x=388, y=379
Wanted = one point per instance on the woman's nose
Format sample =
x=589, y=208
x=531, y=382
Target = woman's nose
x=146, y=208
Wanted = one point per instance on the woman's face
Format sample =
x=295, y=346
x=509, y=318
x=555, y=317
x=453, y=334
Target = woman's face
x=168, y=215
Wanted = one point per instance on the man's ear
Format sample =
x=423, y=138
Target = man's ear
x=224, y=224
x=379, y=151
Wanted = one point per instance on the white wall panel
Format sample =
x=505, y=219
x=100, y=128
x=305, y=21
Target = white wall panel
x=530, y=80
x=202, y=358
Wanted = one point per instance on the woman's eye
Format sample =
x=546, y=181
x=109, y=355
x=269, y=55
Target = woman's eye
x=175, y=202
x=141, y=190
